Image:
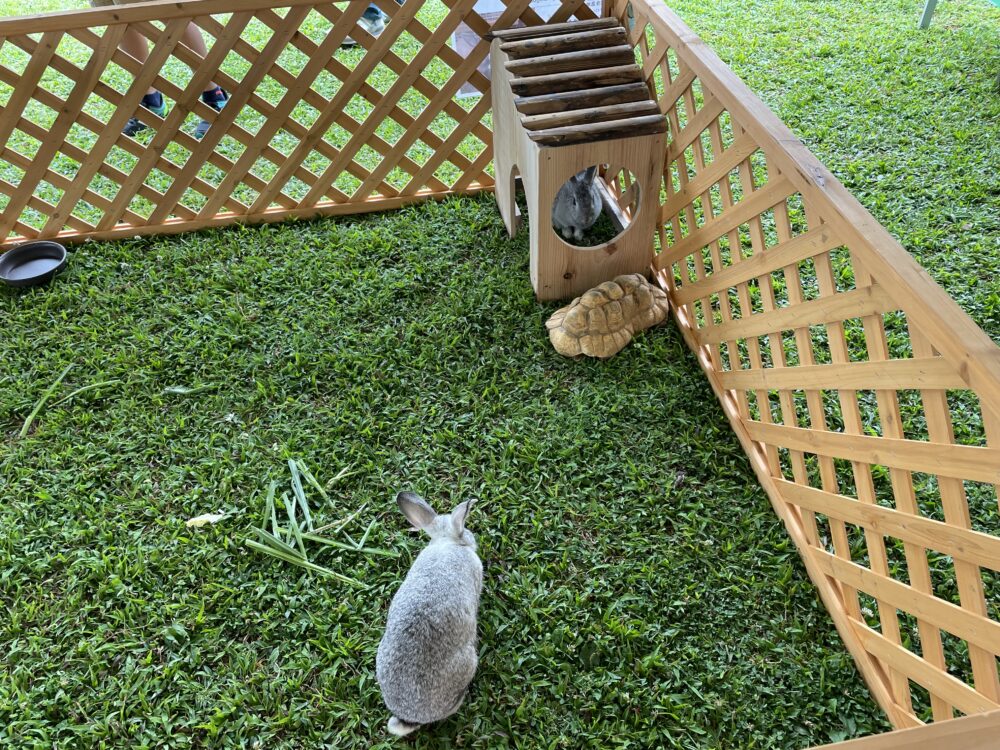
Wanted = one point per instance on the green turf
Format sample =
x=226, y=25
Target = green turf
x=639, y=590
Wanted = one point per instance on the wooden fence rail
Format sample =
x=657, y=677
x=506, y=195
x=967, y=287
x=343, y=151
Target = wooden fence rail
x=866, y=400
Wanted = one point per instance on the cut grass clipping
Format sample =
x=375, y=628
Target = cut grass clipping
x=288, y=543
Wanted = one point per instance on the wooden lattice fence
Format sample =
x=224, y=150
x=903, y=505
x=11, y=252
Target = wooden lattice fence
x=308, y=130
x=844, y=370
x=866, y=400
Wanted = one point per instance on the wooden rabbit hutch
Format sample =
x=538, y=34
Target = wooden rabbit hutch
x=815, y=328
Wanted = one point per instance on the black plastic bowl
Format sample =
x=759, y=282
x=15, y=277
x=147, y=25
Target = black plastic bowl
x=32, y=263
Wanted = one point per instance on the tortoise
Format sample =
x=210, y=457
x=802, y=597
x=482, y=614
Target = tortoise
x=602, y=321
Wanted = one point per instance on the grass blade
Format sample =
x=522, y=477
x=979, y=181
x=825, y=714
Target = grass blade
x=41, y=402
x=295, y=560
x=341, y=524
x=300, y=493
x=91, y=387
x=272, y=541
x=351, y=548
x=269, y=505
x=296, y=531
x=314, y=482
x=368, y=531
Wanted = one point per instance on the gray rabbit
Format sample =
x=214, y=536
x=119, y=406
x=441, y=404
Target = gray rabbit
x=577, y=205
x=427, y=657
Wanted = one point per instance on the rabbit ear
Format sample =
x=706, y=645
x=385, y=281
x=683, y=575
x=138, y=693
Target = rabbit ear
x=459, y=514
x=589, y=173
x=416, y=509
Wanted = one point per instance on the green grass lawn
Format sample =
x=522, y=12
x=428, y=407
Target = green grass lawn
x=639, y=590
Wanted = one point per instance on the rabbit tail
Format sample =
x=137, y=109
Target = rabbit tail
x=401, y=728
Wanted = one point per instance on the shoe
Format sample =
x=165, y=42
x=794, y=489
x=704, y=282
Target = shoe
x=135, y=125
x=202, y=127
x=371, y=21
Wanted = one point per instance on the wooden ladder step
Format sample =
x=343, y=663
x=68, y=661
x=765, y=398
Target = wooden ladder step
x=577, y=80
x=552, y=45
x=552, y=29
x=590, y=115
x=567, y=62
x=570, y=100
x=600, y=131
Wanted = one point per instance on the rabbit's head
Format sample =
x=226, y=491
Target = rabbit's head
x=448, y=528
x=577, y=205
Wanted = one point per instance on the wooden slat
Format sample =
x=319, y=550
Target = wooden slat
x=694, y=128
x=958, y=542
x=807, y=245
x=850, y=304
x=967, y=462
x=577, y=81
x=550, y=45
x=895, y=374
x=936, y=681
x=968, y=733
x=774, y=192
x=971, y=627
x=590, y=115
x=723, y=164
x=598, y=131
x=570, y=100
x=551, y=29
x=568, y=62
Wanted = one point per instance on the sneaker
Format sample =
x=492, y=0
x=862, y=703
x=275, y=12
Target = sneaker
x=202, y=127
x=371, y=21
x=135, y=125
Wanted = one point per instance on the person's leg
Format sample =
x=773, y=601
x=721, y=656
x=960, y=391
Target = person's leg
x=135, y=45
x=213, y=95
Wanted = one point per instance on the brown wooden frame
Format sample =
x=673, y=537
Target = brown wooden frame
x=810, y=321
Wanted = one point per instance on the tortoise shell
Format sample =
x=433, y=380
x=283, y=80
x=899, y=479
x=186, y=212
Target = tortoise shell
x=602, y=321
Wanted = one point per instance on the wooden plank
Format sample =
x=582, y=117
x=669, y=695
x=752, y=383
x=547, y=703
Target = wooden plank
x=976, y=629
x=695, y=127
x=854, y=303
x=568, y=62
x=570, y=100
x=557, y=83
x=550, y=45
x=960, y=543
x=774, y=192
x=807, y=245
x=723, y=164
x=937, y=681
x=271, y=215
x=600, y=131
x=590, y=115
x=551, y=29
x=967, y=462
x=977, y=732
x=894, y=374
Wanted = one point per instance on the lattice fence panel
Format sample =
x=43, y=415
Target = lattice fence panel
x=311, y=127
x=866, y=400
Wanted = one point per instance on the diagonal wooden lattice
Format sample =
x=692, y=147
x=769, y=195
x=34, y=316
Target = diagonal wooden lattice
x=842, y=368
x=867, y=401
x=306, y=130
